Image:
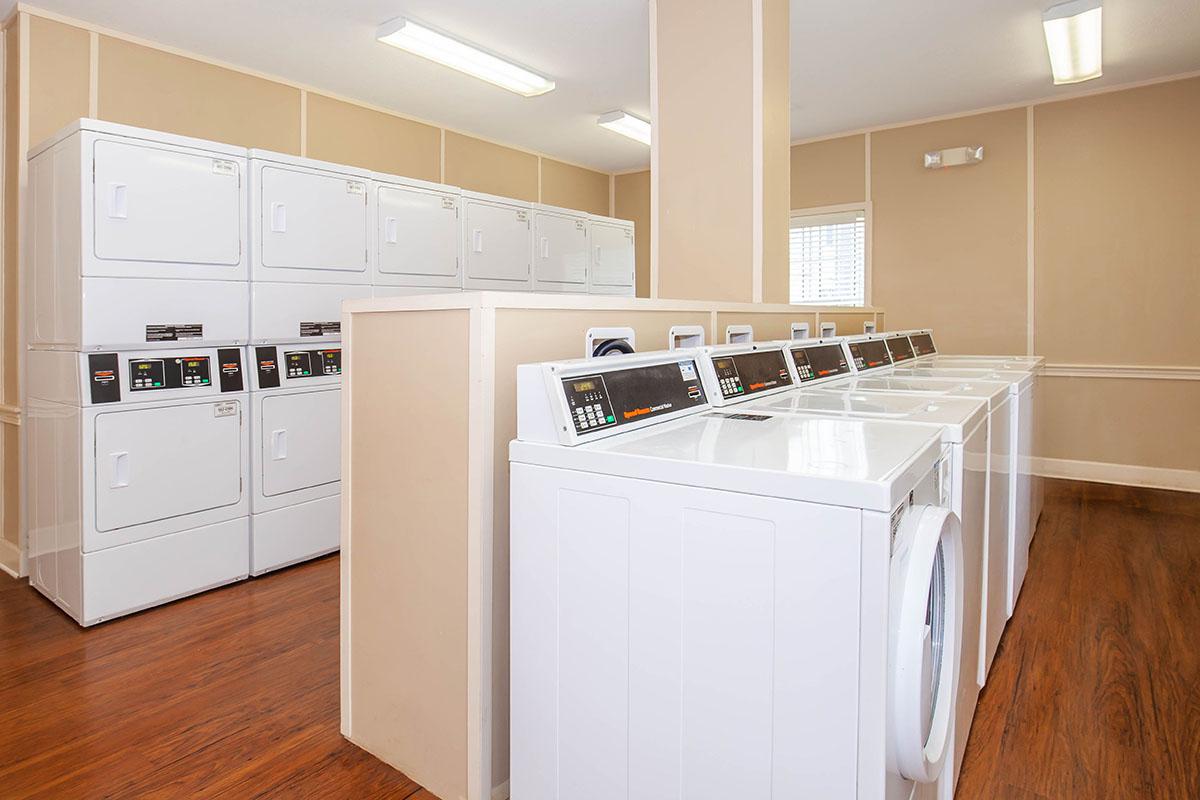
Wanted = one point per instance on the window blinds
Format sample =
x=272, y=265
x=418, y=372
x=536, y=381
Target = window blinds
x=828, y=259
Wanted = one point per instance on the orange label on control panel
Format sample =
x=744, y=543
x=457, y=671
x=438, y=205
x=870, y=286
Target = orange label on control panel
x=637, y=412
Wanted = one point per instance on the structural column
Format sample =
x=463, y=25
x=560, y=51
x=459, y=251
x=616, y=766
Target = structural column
x=721, y=154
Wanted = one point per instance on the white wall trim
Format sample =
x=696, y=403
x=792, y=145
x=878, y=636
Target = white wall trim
x=1030, y=224
x=1122, y=371
x=303, y=123
x=11, y=559
x=654, y=158
x=93, y=74
x=1183, y=480
x=501, y=792
x=757, y=210
x=870, y=232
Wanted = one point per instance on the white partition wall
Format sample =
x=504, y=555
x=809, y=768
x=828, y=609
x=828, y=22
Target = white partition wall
x=497, y=243
x=418, y=233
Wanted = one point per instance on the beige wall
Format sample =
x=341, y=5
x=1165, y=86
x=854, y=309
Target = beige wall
x=345, y=133
x=485, y=167
x=830, y=172
x=631, y=200
x=574, y=187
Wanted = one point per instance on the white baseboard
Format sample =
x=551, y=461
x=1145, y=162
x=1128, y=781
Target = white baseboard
x=1184, y=480
x=10, y=559
x=501, y=792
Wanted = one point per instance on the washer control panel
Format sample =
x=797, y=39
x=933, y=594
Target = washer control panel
x=869, y=354
x=745, y=374
x=612, y=398
x=149, y=374
x=819, y=361
x=900, y=349
x=922, y=344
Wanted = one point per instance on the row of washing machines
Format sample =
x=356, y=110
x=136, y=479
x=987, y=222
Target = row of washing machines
x=763, y=570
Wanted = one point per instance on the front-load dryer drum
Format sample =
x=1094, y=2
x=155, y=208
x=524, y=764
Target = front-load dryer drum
x=925, y=626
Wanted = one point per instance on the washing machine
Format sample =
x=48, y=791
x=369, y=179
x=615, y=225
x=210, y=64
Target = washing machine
x=137, y=476
x=925, y=349
x=136, y=240
x=712, y=603
x=757, y=378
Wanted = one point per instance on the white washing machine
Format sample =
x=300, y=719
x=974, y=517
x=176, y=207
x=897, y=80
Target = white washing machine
x=561, y=249
x=497, y=243
x=295, y=453
x=136, y=239
x=613, y=267
x=310, y=221
x=926, y=350
x=137, y=476
x=418, y=233
x=758, y=379
x=715, y=604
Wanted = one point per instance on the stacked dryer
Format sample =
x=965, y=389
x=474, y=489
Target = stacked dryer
x=136, y=448
x=312, y=241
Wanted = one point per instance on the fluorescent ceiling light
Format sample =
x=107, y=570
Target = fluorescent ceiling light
x=424, y=41
x=1073, y=39
x=626, y=125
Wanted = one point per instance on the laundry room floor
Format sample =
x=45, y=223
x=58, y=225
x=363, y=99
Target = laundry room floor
x=1095, y=692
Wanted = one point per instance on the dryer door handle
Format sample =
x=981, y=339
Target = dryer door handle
x=120, y=470
x=278, y=218
x=279, y=444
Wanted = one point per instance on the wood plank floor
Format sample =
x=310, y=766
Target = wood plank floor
x=233, y=694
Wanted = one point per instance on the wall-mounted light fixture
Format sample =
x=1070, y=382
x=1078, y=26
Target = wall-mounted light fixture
x=1073, y=40
x=444, y=49
x=626, y=124
x=954, y=157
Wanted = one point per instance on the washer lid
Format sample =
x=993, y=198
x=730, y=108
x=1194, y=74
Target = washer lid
x=958, y=416
x=1017, y=379
x=907, y=381
x=823, y=459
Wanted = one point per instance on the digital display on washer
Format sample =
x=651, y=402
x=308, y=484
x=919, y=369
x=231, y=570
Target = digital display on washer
x=869, y=354
x=900, y=349
x=186, y=372
x=815, y=363
x=745, y=374
x=623, y=396
x=922, y=344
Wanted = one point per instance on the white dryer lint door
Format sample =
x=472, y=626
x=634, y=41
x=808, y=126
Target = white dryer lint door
x=313, y=221
x=158, y=463
x=418, y=233
x=613, y=255
x=165, y=206
x=300, y=437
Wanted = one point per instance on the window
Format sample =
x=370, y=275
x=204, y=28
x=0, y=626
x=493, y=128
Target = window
x=828, y=258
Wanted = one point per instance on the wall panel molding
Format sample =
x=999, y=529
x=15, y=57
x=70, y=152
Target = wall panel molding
x=1122, y=371
x=1123, y=474
x=12, y=560
x=10, y=415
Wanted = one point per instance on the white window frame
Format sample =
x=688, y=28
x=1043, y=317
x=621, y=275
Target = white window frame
x=841, y=208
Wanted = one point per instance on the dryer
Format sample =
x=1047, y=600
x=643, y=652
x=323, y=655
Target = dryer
x=561, y=249
x=418, y=233
x=497, y=243
x=137, y=476
x=613, y=266
x=137, y=239
x=727, y=604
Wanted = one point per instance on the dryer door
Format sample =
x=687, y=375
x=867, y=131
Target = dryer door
x=158, y=463
x=418, y=236
x=300, y=437
x=314, y=222
x=925, y=629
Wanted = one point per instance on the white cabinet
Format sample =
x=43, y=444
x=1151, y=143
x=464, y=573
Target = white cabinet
x=497, y=242
x=310, y=221
x=560, y=250
x=613, y=257
x=418, y=233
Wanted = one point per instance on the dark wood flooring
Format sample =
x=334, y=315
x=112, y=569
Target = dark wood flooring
x=233, y=694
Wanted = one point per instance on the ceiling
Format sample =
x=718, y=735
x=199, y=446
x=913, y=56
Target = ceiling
x=855, y=63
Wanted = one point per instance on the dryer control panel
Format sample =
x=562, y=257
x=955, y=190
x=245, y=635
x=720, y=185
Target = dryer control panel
x=744, y=374
x=900, y=349
x=295, y=364
x=922, y=344
x=819, y=362
x=613, y=398
x=163, y=371
x=869, y=354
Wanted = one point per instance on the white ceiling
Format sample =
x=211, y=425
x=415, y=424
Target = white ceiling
x=855, y=63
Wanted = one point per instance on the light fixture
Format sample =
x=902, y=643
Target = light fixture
x=428, y=43
x=626, y=125
x=954, y=157
x=1073, y=39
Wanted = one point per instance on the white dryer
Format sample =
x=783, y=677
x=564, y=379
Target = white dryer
x=723, y=604
x=613, y=267
x=137, y=239
x=295, y=454
x=137, y=477
x=497, y=243
x=418, y=233
x=561, y=249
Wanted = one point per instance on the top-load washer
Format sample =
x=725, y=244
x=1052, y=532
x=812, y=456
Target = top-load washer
x=925, y=349
x=137, y=239
x=418, y=234
x=757, y=378
x=723, y=604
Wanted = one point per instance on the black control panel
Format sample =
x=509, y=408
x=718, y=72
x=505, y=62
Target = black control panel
x=922, y=344
x=173, y=372
x=266, y=361
x=624, y=396
x=104, y=378
x=745, y=374
x=870, y=354
x=229, y=366
x=310, y=363
x=821, y=361
x=900, y=349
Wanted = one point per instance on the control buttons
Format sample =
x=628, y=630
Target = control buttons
x=592, y=416
x=732, y=386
